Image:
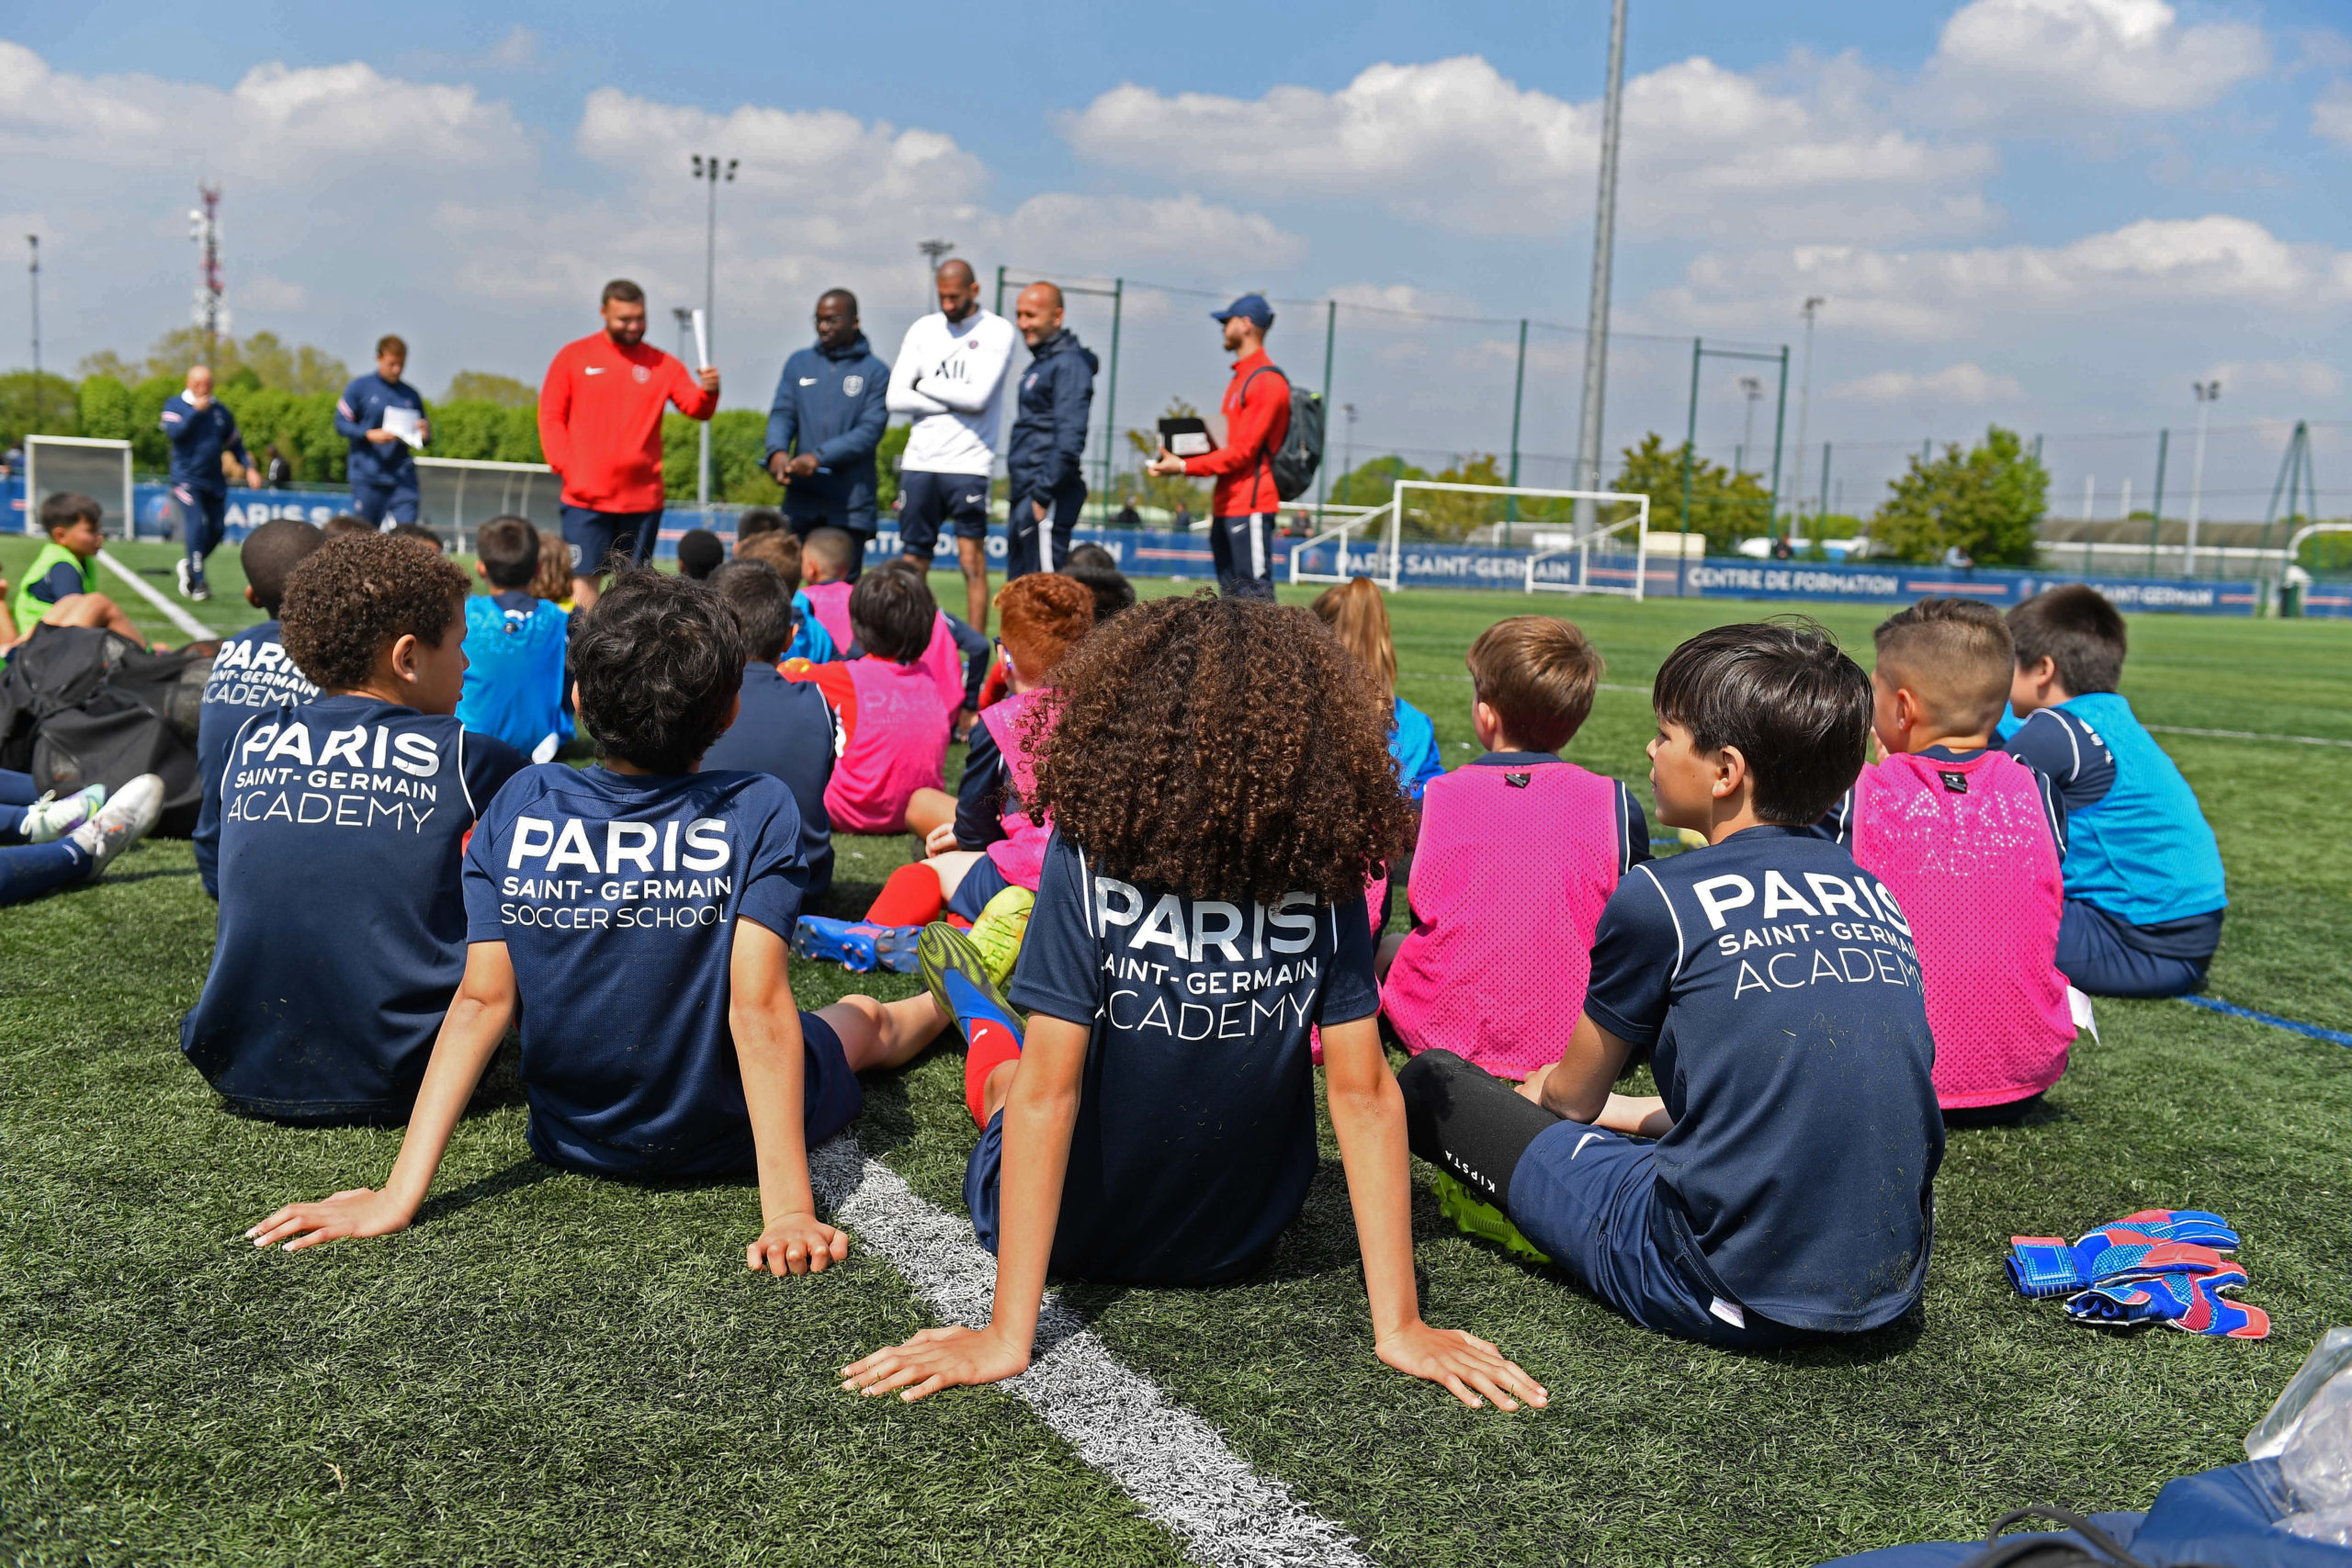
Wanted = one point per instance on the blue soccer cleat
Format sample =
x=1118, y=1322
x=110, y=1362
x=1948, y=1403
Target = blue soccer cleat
x=853, y=944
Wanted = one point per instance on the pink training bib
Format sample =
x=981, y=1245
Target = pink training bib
x=898, y=745
x=946, y=662
x=830, y=601
x=1021, y=853
x=1513, y=867
x=1970, y=853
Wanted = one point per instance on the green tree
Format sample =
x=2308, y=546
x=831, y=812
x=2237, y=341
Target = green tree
x=299, y=370
x=489, y=386
x=1371, y=482
x=106, y=362
x=149, y=453
x=486, y=432
x=1167, y=491
x=300, y=425
x=171, y=355
x=1724, y=506
x=886, y=453
x=105, y=404
x=28, y=404
x=1986, y=501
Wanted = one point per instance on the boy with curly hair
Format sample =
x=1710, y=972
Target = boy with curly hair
x=1155, y=1124
x=637, y=915
x=342, y=928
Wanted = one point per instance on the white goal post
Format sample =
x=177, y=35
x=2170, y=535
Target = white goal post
x=456, y=495
x=87, y=465
x=1574, y=571
x=1611, y=559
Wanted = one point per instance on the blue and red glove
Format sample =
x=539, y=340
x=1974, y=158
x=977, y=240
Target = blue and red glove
x=2190, y=1301
x=2132, y=1247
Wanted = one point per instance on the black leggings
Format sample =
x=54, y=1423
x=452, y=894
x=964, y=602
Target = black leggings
x=1469, y=1122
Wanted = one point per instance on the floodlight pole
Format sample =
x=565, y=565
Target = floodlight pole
x=2156, y=509
x=1330, y=348
x=1110, y=399
x=33, y=242
x=1805, y=411
x=2207, y=393
x=709, y=170
x=1518, y=395
x=934, y=252
x=1752, y=388
x=1348, y=450
x=1605, y=240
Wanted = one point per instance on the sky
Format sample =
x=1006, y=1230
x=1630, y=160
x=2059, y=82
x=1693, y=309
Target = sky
x=2051, y=214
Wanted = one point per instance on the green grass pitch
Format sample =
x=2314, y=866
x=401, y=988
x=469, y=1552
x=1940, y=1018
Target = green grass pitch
x=556, y=1369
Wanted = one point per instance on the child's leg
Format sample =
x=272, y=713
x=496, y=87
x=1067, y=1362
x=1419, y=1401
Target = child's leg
x=27, y=871
x=957, y=978
x=912, y=897
x=17, y=789
x=951, y=866
x=884, y=1034
x=929, y=810
x=92, y=610
x=1386, y=954
x=2100, y=962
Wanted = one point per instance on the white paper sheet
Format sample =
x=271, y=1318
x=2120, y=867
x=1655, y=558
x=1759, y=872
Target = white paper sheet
x=406, y=424
x=702, y=341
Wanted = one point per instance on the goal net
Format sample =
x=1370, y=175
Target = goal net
x=100, y=469
x=1599, y=551
x=458, y=495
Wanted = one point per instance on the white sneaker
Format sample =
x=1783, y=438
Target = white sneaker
x=50, y=818
x=199, y=591
x=186, y=582
x=130, y=816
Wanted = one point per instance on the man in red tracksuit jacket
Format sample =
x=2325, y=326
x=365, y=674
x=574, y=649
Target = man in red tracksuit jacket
x=1256, y=417
x=600, y=427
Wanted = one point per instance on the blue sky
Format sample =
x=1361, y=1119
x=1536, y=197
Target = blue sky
x=2053, y=213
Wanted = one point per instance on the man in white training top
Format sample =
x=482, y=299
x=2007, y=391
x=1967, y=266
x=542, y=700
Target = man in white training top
x=949, y=375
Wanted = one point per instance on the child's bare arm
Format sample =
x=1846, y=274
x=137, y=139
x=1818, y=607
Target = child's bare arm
x=1038, y=1118
x=1641, y=1116
x=766, y=1025
x=1578, y=1085
x=1368, y=1115
x=471, y=1032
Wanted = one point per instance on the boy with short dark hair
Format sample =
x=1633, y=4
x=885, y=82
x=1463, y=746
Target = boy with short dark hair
x=637, y=914
x=60, y=586
x=515, y=642
x=828, y=560
x=781, y=549
x=344, y=525
x=700, y=551
x=892, y=724
x=2145, y=892
x=250, y=671
x=1773, y=985
x=1519, y=851
x=1970, y=839
x=341, y=929
x=754, y=521
x=783, y=727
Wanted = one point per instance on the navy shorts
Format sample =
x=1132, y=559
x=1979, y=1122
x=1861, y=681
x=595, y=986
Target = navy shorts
x=384, y=500
x=981, y=884
x=2100, y=961
x=831, y=1095
x=930, y=501
x=595, y=536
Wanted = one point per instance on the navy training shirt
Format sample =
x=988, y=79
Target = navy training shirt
x=1775, y=986
x=250, y=671
x=341, y=932
x=1195, y=1135
x=786, y=728
x=616, y=896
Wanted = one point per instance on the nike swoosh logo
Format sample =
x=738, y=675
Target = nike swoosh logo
x=1581, y=1142
x=591, y=370
x=808, y=380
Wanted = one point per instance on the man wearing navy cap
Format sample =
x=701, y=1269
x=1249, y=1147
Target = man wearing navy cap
x=1245, y=506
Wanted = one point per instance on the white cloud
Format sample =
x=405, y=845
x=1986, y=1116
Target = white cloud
x=518, y=49
x=1454, y=143
x=2332, y=114
x=1967, y=385
x=1106, y=232
x=2053, y=59
x=2303, y=378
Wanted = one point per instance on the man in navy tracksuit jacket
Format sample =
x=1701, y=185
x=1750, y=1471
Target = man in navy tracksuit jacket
x=199, y=429
x=825, y=424
x=1046, y=480
x=382, y=467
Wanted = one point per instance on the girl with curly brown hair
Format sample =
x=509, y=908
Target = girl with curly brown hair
x=1218, y=777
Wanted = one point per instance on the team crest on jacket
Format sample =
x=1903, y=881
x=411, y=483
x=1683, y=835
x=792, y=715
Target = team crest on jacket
x=641, y=373
x=1031, y=382
x=853, y=384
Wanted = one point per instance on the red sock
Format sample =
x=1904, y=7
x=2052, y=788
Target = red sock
x=992, y=1044
x=911, y=897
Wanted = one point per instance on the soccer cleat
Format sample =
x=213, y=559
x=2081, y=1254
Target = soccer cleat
x=199, y=592
x=957, y=977
x=130, y=816
x=895, y=948
x=997, y=933
x=2134, y=1246
x=182, y=571
x=51, y=817
x=1477, y=1217
x=2191, y=1302
x=850, y=944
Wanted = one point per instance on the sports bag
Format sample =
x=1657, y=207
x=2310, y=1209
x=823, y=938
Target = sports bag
x=80, y=705
x=1301, y=454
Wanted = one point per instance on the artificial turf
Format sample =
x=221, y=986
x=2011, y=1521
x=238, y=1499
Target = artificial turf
x=553, y=1368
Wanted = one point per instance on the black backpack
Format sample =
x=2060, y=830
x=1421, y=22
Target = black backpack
x=80, y=706
x=1301, y=452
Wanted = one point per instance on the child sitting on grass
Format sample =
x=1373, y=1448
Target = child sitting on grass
x=886, y=705
x=782, y=727
x=61, y=587
x=1358, y=617
x=781, y=550
x=2145, y=889
x=1772, y=984
x=983, y=865
x=342, y=930
x=1155, y=1125
x=250, y=671
x=1518, y=854
x=957, y=658
x=515, y=646
x=552, y=583
x=1970, y=840
x=637, y=913
x=829, y=559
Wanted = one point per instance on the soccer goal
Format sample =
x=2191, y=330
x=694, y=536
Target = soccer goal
x=1336, y=527
x=1611, y=556
x=1459, y=532
x=86, y=465
x=456, y=495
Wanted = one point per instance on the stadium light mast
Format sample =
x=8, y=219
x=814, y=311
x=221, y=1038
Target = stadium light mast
x=1752, y=388
x=1348, y=458
x=204, y=228
x=32, y=243
x=933, y=253
x=1604, y=241
x=708, y=170
x=1804, y=409
x=2208, y=393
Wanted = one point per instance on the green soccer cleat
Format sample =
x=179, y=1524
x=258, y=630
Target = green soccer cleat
x=996, y=934
x=51, y=817
x=1474, y=1216
x=957, y=977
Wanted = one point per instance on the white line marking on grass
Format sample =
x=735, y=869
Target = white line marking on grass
x=2247, y=734
x=1167, y=1458
x=164, y=606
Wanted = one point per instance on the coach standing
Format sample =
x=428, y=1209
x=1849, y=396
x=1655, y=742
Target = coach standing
x=950, y=376
x=824, y=425
x=1044, y=467
x=382, y=468
x=1257, y=416
x=201, y=431
x=600, y=428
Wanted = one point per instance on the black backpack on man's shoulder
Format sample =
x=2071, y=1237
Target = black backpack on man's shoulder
x=1301, y=452
x=80, y=705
